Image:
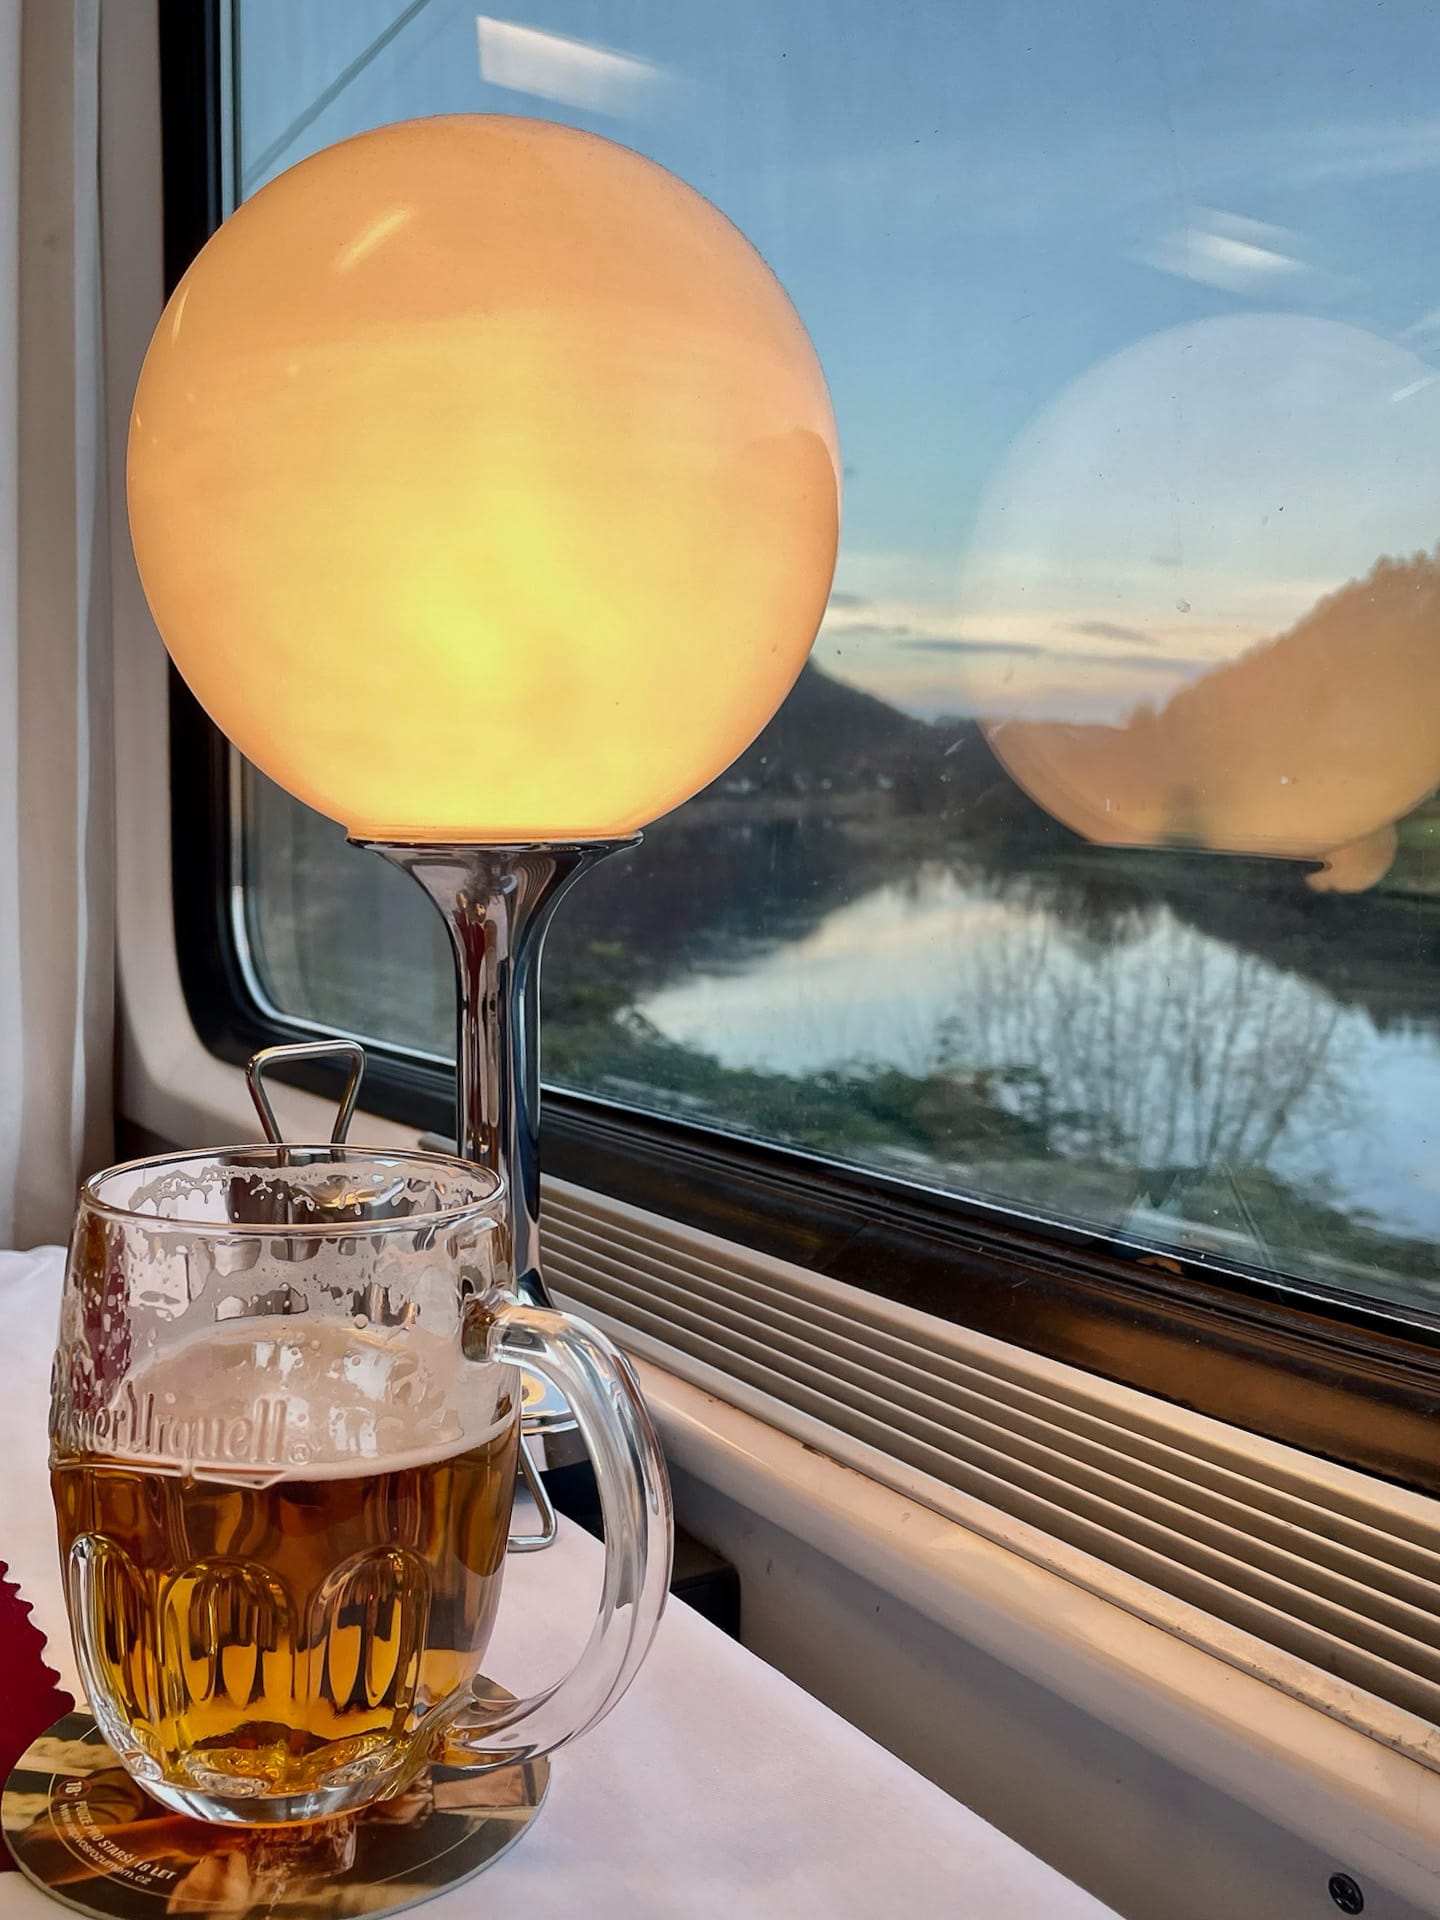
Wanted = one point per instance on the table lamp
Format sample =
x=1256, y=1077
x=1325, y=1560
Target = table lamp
x=484, y=487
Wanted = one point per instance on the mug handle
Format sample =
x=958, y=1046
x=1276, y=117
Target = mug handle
x=604, y=1395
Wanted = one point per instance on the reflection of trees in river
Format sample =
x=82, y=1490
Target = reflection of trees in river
x=714, y=899
x=688, y=901
x=1377, y=951
x=1164, y=1052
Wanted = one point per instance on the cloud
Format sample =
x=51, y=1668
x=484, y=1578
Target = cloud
x=550, y=66
x=957, y=643
x=1057, y=656
x=867, y=630
x=1134, y=662
x=1412, y=387
x=1227, y=250
x=1111, y=630
x=849, y=600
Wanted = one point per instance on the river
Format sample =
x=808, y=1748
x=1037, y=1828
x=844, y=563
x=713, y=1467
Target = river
x=1159, y=1043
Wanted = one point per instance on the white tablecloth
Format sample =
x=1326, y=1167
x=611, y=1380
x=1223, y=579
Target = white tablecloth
x=716, y=1787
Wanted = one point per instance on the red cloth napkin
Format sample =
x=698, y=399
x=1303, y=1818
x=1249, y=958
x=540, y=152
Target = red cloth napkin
x=31, y=1698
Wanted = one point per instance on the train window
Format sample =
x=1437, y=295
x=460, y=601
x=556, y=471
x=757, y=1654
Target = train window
x=1091, y=872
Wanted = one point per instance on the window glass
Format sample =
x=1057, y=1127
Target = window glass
x=1092, y=865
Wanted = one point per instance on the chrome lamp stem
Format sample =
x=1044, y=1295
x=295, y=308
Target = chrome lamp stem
x=497, y=902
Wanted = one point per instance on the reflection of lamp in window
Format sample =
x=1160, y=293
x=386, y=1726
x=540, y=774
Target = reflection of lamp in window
x=1208, y=569
x=483, y=484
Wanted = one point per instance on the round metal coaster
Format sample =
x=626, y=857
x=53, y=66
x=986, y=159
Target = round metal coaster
x=88, y=1834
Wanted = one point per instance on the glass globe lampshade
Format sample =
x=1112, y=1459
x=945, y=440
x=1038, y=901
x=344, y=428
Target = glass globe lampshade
x=484, y=487
x=483, y=483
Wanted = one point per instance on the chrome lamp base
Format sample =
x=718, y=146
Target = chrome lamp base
x=497, y=902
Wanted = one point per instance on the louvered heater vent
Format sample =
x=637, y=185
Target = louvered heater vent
x=1295, y=1556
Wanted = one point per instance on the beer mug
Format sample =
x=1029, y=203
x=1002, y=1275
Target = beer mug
x=284, y=1427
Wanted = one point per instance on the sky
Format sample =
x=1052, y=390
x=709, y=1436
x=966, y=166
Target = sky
x=1128, y=310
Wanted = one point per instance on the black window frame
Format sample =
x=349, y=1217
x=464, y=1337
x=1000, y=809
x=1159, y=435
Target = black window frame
x=1335, y=1373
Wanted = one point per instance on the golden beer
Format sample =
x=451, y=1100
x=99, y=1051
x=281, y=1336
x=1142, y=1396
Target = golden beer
x=284, y=1432
x=265, y=1614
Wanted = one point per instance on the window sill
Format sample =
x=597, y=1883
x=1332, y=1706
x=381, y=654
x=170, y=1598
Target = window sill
x=1349, y=1798
x=1026, y=1508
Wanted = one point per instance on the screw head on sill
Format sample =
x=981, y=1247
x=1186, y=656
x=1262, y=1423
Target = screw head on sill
x=1346, y=1893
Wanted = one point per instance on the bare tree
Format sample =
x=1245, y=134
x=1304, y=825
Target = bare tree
x=1167, y=1051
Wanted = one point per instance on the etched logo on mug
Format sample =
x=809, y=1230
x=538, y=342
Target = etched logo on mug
x=133, y=1426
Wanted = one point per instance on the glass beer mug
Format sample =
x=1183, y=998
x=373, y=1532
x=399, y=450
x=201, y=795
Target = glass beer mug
x=284, y=1430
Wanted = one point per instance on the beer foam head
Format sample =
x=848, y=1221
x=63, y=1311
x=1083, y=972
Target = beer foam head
x=264, y=1399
